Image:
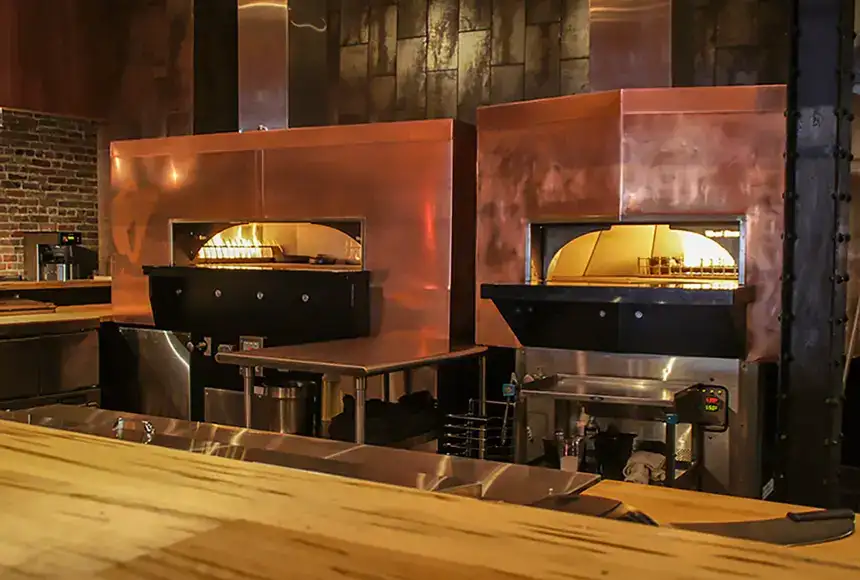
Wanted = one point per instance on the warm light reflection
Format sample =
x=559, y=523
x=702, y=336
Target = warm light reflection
x=117, y=167
x=700, y=251
x=429, y=215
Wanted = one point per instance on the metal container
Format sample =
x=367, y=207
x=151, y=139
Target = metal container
x=285, y=408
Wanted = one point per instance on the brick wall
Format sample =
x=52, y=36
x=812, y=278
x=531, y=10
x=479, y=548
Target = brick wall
x=48, y=181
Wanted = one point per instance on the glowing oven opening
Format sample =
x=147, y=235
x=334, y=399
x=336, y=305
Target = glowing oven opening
x=269, y=244
x=242, y=242
x=702, y=256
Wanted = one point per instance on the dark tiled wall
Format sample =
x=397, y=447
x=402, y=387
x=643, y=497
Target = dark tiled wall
x=414, y=59
x=740, y=42
x=48, y=181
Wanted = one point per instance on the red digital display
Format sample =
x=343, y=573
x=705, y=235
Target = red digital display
x=712, y=400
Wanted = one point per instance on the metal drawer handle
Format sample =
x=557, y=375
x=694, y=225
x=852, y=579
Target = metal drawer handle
x=148, y=430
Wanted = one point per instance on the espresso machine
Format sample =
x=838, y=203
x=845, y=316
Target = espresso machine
x=57, y=256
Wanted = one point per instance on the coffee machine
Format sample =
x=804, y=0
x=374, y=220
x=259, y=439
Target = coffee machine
x=57, y=256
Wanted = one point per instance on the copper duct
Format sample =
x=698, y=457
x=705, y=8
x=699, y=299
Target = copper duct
x=263, y=64
x=633, y=44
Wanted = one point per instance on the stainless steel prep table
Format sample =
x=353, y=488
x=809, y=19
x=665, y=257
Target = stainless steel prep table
x=360, y=358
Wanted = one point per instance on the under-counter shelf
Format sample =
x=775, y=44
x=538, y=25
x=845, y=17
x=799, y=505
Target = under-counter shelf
x=49, y=364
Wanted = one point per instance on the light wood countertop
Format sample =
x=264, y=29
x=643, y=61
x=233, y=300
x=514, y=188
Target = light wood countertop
x=22, y=285
x=63, y=319
x=680, y=506
x=75, y=506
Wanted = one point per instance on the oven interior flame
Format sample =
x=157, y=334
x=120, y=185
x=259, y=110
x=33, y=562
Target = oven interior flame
x=239, y=243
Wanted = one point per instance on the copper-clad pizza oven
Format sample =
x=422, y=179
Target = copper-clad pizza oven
x=629, y=245
x=393, y=201
x=671, y=197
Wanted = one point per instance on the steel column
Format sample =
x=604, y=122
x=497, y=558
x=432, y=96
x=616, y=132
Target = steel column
x=817, y=193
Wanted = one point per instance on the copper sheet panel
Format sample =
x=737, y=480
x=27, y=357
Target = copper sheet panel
x=630, y=43
x=263, y=64
x=398, y=178
x=406, y=132
x=357, y=357
x=402, y=191
x=659, y=155
x=554, y=159
x=147, y=192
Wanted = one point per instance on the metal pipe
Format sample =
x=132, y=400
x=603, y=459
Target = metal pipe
x=360, y=400
x=248, y=386
x=482, y=403
x=671, y=440
x=407, y=382
x=386, y=387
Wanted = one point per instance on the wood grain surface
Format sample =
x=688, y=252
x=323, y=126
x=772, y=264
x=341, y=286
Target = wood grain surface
x=22, y=285
x=63, y=319
x=74, y=506
x=680, y=506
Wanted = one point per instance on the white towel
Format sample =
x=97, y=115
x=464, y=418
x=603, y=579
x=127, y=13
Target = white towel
x=644, y=467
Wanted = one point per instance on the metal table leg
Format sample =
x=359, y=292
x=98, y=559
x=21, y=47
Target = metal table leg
x=248, y=385
x=360, y=401
x=482, y=404
x=698, y=460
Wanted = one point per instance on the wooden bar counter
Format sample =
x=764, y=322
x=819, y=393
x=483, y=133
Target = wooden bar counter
x=76, y=506
x=681, y=506
x=25, y=285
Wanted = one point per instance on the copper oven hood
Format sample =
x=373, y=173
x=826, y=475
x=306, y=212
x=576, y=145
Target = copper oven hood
x=634, y=155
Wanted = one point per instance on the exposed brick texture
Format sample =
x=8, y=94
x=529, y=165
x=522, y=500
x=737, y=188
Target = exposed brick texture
x=48, y=181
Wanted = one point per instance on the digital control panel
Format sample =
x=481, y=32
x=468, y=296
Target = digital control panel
x=70, y=238
x=712, y=404
x=704, y=405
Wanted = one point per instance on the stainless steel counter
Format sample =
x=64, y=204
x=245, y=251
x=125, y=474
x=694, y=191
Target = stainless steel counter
x=488, y=480
x=361, y=358
x=358, y=357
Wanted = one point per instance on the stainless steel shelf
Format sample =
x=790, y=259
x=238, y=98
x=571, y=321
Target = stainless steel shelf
x=609, y=390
